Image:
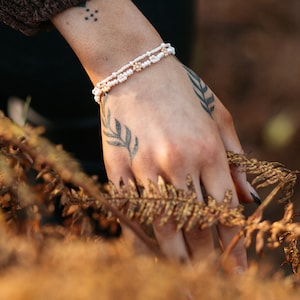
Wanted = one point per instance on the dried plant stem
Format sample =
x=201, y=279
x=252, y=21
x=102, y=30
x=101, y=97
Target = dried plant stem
x=267, y=201
x=151, y=244
x=255, y=216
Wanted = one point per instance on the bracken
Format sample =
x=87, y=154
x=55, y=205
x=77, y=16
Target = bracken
x=36, y=177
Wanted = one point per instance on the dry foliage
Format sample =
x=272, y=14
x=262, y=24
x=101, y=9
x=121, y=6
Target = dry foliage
x=44, y=194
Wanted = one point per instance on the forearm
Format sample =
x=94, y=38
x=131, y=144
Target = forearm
x=116, y=34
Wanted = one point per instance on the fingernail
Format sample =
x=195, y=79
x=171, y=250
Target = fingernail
x=254, y=195
x=256, y=199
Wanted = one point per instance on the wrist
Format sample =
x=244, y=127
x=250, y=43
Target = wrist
x=120, y=34
x=134, y=66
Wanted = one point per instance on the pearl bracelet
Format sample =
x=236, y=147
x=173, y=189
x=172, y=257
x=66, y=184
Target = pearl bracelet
x=137, y=65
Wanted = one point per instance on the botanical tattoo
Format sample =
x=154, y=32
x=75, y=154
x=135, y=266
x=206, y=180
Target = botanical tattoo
x=205, y=96
x=118, y=135
x=90, y=14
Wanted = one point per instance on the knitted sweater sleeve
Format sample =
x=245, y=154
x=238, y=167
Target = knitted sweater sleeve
x=31, y=16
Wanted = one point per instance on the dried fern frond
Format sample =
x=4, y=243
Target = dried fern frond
x=163, y=200
x=23, y=149
x=292, y=255
x=44, y=154
x=266, y=173
x=16, y=194
x=272, y=231
x=279, y=232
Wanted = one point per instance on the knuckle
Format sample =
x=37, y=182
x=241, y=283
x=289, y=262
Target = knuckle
x=206, y=149
x=210, y=149
x=172, y=154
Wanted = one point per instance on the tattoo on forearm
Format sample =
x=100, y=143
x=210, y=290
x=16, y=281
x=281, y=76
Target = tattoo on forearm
x=205, y=96
x=115, y=133
x=91, y=15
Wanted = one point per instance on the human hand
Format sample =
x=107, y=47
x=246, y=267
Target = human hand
x=166, y=122
x=163, y=121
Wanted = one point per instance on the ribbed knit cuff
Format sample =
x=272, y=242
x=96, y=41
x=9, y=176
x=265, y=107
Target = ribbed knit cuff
x=31, y=16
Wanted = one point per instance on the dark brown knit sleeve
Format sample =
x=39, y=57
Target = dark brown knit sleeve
x=31, y=16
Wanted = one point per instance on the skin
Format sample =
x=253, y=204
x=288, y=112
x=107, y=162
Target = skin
x=174, y=123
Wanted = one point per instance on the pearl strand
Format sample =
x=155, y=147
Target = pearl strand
x=135, y=66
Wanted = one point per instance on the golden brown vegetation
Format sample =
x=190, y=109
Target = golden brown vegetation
x=52, y=214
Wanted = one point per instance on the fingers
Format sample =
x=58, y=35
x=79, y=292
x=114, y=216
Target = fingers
x=246, y=193
x=238, y=253
x=200, y=243
x=171, y=241
x=195, y=244
x=216, y=180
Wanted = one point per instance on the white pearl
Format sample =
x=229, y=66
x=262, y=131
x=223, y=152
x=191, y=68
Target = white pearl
x=160, y=55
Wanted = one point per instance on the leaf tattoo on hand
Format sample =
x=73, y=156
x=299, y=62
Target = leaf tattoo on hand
x=201, y=89
x=115, y=134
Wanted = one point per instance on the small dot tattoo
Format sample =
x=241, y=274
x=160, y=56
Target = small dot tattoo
x=91, y=15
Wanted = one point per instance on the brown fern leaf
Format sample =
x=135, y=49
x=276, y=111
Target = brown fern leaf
x=267, y=173
x=18, y=196
x=292, y=256
x=274, y=233
x=43, y=153
x=164, y=201
x=24, y=148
